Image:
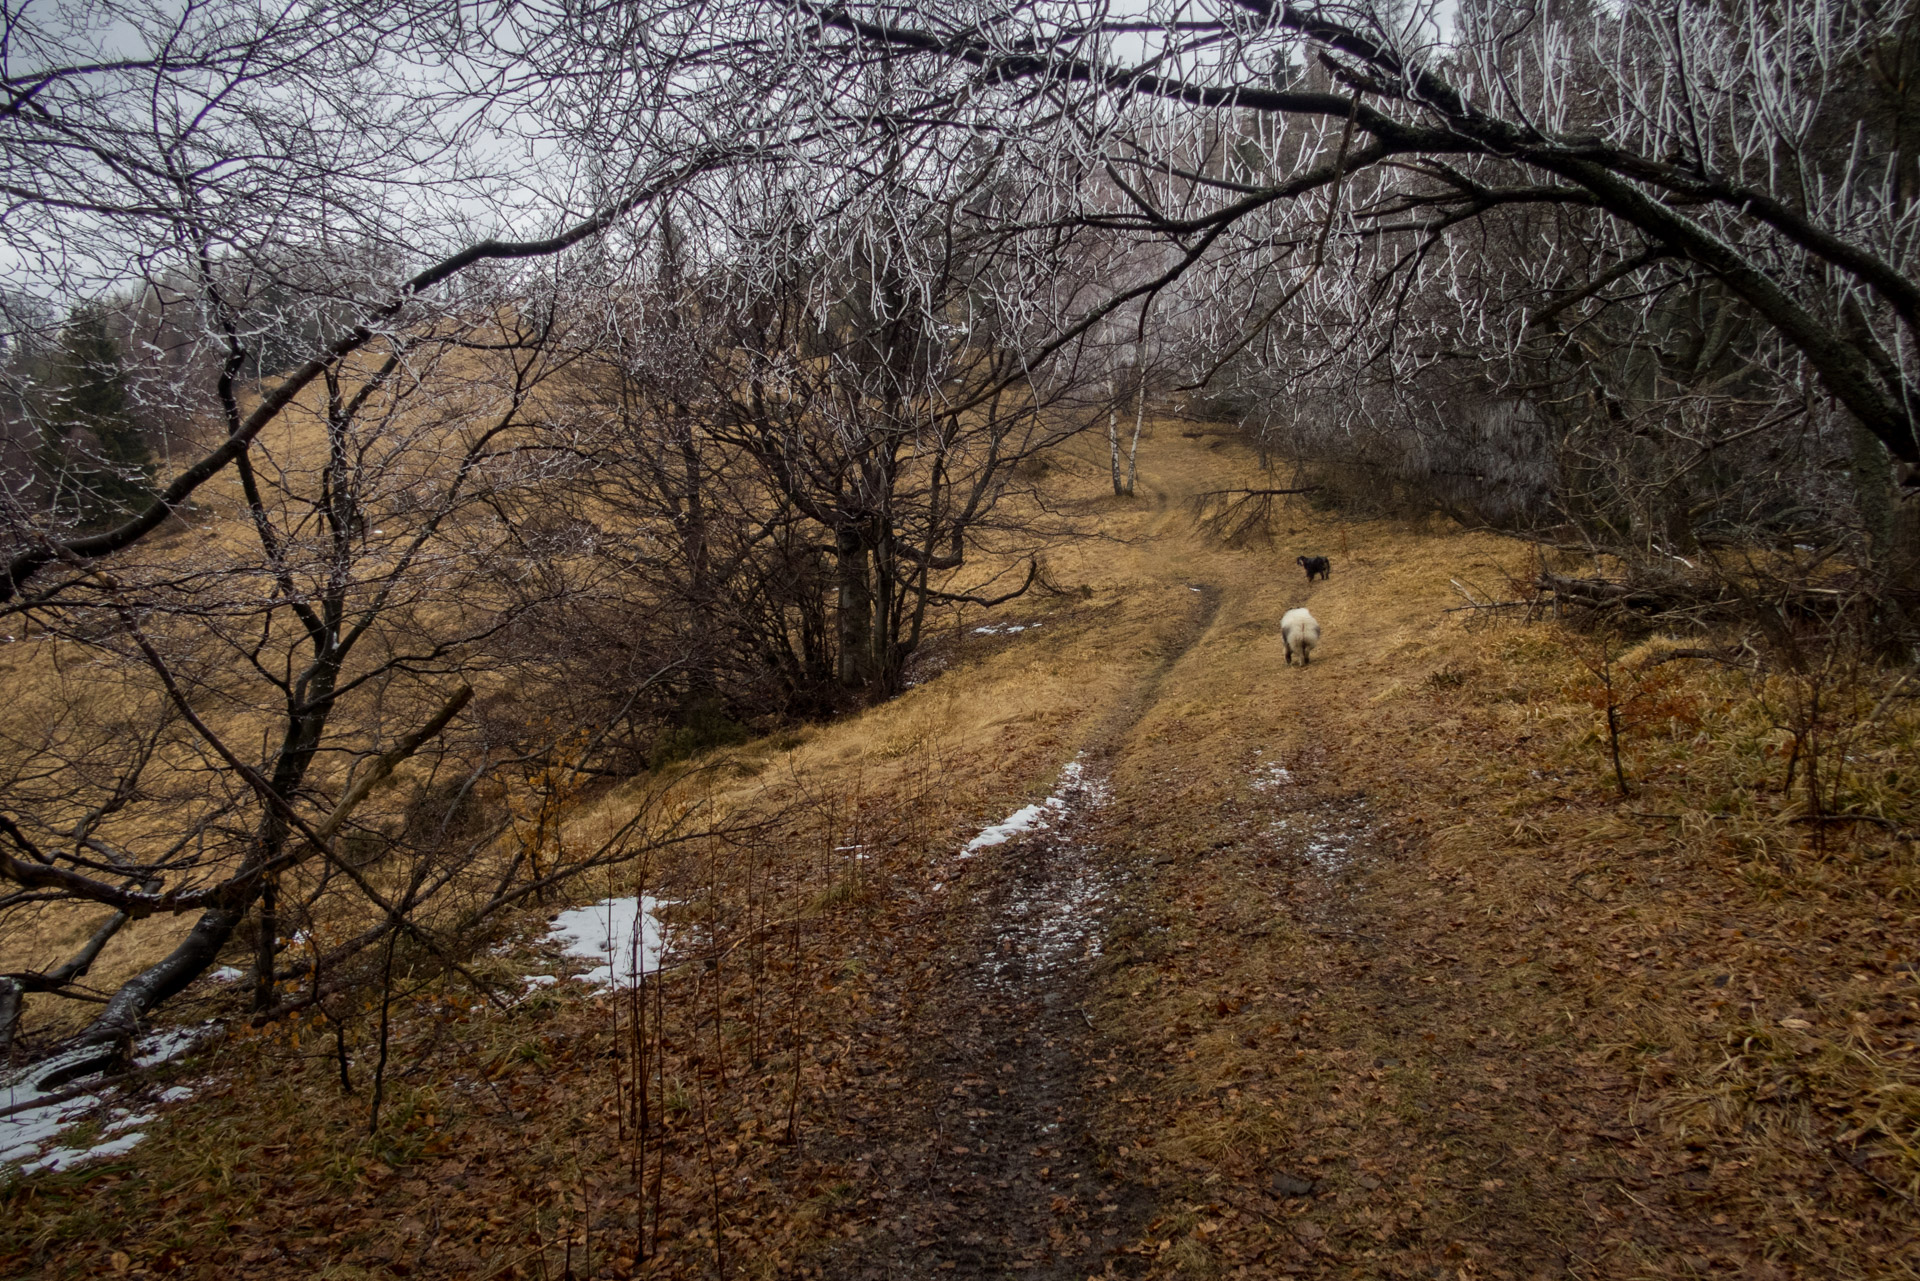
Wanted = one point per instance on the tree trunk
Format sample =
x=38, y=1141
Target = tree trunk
x=266, y=948
x=855, y=606
x=156, y=983
x=1139, y=418
x=694, y=548
x=11, y=999
x=1873, y=491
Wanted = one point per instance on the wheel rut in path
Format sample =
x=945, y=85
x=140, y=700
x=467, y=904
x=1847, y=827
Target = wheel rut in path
x=991, y=1167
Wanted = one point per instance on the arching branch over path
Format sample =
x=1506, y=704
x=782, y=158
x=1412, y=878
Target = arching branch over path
x=1731, y=140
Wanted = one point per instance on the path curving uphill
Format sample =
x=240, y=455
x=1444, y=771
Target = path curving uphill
x=995, y=1166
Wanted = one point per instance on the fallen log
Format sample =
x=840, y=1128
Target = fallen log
x=1600, y=592
x=1677, y=596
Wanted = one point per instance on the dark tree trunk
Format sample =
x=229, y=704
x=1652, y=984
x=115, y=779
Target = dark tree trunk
x=855, y=606
x=11, y=998
x=166, y=978
x=266, y=947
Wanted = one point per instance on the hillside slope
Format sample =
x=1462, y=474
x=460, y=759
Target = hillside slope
x=1354, y=969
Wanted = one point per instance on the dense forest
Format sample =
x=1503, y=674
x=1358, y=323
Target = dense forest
x=462, y=461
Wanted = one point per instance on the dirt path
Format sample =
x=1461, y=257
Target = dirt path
x=994, y=1167
x=1330, y=1072
x=1324, y=1086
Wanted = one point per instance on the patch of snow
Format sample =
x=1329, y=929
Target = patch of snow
x=128, y=1123
x=66, y=1158
x=1054, y=920
x=623, y=935
x=1330, y=849
x=1024, y=819
x=168, y=1045
x=538, y=980
x=227, y=974
x=1078, y=790
x=24, y=1136
x=1052, y=924
x=1271, y=777
x=1006, y=629
x=1327, y=844
x=1075, y=788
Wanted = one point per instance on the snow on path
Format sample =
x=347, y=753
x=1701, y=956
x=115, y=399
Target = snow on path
x=1073, y=787
x=623, y=935
x=1021, y=820
x=1054, y=920
x=1268, y=775
x=1319, y=836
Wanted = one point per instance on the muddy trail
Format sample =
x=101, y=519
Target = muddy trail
x=994, y=1167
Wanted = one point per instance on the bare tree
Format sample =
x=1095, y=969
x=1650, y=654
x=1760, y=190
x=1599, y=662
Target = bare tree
x=1338, y=159
x=282, y=187
x=856, y=366
x=253, y=681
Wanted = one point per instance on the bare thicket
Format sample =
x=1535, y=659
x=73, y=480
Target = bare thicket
x=1642, y=269
x=275, y=473
x=407, y=542
x=204, y=724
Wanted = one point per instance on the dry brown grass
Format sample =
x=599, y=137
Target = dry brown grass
x=1703, y=1000
x=1501, y=1046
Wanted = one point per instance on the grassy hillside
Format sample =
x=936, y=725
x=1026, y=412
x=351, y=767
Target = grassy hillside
x=1374, y=972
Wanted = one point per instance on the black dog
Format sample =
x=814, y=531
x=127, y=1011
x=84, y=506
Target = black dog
x=1314, y=565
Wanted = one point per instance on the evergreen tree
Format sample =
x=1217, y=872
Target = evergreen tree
x=96, y=463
